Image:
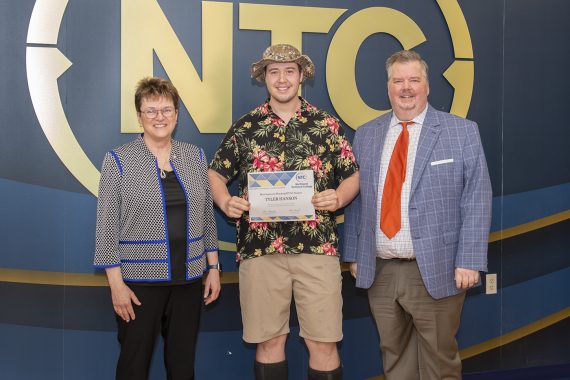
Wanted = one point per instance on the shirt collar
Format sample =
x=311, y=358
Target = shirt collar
x=305, y=106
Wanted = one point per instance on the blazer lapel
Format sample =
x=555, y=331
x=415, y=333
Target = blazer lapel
x=377, y=145
x=428, y=137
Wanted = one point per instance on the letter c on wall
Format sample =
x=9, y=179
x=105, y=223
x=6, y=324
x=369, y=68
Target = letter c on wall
x=341, y=57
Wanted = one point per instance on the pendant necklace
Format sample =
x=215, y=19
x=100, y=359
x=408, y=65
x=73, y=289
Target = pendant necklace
x=162, y=171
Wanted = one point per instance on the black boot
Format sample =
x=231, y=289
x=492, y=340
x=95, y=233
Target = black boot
x=335, y=374
x=271, y=371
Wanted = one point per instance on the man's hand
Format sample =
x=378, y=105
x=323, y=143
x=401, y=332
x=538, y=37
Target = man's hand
x=234, y=207
x=326, y=200
x=353, y=269
x=466, y=278
x=332, y=200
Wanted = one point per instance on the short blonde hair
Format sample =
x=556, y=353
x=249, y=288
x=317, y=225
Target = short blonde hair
x=405, y=56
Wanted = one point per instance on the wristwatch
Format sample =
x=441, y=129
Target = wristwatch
x=217, y=266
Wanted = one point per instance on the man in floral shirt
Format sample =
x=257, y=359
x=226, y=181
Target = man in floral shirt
x=281, y=259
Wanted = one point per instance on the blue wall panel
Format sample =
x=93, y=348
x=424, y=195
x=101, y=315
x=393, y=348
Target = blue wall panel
x=56, y=327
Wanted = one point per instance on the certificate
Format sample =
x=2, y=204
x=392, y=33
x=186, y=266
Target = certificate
x=281, y=196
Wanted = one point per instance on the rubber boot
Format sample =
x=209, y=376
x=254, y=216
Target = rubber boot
x=271, y=371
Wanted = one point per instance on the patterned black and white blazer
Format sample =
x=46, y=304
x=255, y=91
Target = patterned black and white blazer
x=131, y=229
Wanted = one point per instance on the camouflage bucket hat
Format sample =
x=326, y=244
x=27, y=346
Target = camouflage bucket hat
x=282, y=53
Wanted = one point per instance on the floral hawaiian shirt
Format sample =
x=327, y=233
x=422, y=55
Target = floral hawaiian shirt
x=261, y=141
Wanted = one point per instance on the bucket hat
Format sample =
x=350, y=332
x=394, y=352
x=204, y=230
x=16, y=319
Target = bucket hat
x=282, y=53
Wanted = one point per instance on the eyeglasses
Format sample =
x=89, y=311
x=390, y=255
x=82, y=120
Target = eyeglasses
x=152, y=113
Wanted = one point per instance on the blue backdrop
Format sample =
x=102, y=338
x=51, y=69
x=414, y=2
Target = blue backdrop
x=56, y=318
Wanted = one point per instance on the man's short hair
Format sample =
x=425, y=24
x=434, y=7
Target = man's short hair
x=155, y=87
x=405, y=56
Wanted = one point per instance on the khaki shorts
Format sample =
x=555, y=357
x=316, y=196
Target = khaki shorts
x=266, y=284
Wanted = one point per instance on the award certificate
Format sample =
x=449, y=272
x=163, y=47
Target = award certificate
x=281, y=196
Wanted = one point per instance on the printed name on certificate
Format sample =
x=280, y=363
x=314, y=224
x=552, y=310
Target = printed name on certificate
x=282, y=196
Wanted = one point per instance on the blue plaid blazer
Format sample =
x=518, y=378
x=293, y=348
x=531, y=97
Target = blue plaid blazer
x=450, y=203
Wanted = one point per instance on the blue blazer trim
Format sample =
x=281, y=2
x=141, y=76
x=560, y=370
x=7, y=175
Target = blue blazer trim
x=144, y=261
x=117, y=161
x=142, y=241
x=165, y=219
x=195, y=277
x=195, y=258
x=106, y=266
x=195, y=239
x=139, y=280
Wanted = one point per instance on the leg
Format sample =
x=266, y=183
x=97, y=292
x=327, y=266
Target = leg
x=265, y=298
x=272, y=350
x=436, y=323
x=180, y=324
x=323, y=356
x=317, y=285
x=137, y=337
x=270, y=363
x=398, y=340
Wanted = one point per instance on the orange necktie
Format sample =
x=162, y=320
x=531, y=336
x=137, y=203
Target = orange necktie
x=390, y=215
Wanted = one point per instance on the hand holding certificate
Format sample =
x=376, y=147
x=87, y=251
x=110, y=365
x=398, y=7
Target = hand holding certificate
x=281, y=196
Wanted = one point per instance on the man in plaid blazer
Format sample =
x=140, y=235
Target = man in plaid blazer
x=418, y=276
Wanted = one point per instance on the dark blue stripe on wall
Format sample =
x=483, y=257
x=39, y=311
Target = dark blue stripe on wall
x=546, y=247
x=548, y=346
x=91, y=308
x=555, y=372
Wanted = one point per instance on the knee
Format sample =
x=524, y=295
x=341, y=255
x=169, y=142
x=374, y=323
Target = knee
x=322, y=349
x=272, y=350
x=323, y=356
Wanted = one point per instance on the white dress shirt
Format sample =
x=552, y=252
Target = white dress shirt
x=400, y=246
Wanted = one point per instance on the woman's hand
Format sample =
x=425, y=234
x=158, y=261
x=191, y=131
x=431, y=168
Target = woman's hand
x=212, y=286
x=123, y=299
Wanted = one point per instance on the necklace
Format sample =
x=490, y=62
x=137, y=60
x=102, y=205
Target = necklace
x=164, y=162
x=162, y=171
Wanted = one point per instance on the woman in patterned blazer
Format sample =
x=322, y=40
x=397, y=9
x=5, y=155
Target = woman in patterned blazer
x=156, y=236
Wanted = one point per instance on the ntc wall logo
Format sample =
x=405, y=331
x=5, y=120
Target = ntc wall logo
x=145, y=30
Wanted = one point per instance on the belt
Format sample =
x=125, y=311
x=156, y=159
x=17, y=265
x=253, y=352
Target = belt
x=404, y=259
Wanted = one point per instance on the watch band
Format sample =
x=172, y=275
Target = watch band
x=217, y=266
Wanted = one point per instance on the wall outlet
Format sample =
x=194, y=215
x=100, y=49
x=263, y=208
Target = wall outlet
x=491, y=283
